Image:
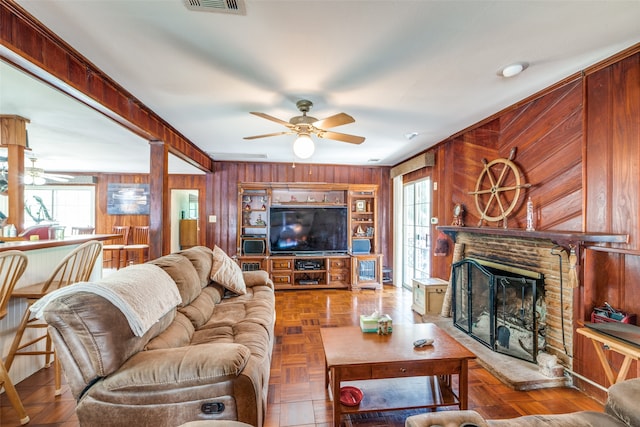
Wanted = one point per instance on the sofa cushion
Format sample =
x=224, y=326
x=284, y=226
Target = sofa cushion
x=256, y=278
x=200, y=309
x=179, y=368
x=253, y=336
x=227, y=273
x=571, y=419
x=201, y=257
x=183, y=273
x=446, y=418
x=97, y=334
x=622, y=401
x=178, y=334
x=231, y=312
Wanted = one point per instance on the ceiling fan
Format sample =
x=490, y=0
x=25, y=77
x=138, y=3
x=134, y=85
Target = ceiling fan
x=37, y=176
x=304, y=126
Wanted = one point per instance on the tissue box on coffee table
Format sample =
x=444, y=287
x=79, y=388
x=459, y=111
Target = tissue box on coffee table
x=369, y=323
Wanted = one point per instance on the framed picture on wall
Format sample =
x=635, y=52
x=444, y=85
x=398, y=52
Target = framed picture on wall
x=127, y=199
x=361, y=206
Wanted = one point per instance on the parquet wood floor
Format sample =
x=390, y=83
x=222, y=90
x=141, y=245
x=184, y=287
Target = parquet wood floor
x=296, y=391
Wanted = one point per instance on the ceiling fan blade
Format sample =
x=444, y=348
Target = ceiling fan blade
x=333, y=121
x=273, y=119
x=268, y=134
x=351, y=139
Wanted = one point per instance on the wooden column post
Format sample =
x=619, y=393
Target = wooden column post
x=159, y=228
x=13, y=135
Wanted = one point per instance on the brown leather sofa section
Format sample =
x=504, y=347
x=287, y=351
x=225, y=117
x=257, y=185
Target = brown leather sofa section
x=208, y=359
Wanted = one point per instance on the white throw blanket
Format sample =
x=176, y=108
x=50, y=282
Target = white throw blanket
x=143, y=293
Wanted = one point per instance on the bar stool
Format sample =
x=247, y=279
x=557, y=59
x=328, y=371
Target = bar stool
x=82, y=230
x=140, y=246
x=12, y=265
x=75, y=267
x=115, y=249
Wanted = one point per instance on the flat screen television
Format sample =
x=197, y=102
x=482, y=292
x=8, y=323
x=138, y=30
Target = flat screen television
x=308, y=229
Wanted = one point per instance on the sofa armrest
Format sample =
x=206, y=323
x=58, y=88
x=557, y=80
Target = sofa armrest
x=622, y=401
x=257, y=278
x=179, y=368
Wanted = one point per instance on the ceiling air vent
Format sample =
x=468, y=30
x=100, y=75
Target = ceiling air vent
x=235, y=7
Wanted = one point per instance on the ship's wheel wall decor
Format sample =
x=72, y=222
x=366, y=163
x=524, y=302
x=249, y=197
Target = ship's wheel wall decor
x=498, y=189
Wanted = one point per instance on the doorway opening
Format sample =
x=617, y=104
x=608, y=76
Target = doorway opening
x=184, y=219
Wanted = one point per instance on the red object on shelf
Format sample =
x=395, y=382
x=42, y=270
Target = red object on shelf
x=350, y=396
x=604, y=315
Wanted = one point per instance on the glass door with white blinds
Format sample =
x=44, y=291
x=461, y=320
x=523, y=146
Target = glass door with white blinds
x=416, y=231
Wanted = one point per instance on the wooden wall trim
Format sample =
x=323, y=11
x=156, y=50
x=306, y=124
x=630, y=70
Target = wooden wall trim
x=613, y=59
x=35, y=49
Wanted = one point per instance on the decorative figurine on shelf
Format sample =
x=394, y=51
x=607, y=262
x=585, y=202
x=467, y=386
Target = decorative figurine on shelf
x=325, y=199
x=246, y=220
x=247, y=207
x=310, y=199
x=458, y=215
x=260, y=221
x=246, y=199
x=293, y=199
x=359, y=231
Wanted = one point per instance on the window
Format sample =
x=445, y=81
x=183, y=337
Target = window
x=416, y=231
x=65, y=205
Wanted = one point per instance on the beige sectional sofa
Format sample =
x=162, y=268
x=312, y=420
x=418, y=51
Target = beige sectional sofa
x=621, y=410
x=206, y=358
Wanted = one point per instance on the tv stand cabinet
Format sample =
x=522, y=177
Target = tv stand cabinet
x=320, y=272
x=360, y=267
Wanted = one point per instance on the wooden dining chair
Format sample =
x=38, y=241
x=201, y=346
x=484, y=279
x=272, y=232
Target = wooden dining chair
x=139, y=249
x=82, y=230
x=12, y=265
x=75, y=267
x=116, y=248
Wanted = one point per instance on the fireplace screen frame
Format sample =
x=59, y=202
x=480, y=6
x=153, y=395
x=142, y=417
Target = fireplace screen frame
x=480, y=312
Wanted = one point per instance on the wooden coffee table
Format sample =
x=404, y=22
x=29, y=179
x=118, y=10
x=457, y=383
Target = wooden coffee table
x=391, y=372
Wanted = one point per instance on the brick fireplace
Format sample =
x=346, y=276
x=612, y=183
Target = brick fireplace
x=546, y=253
x=500, y=306
x=552, y=263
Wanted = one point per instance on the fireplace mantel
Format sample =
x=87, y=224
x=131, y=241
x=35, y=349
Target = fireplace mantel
x=566, y=239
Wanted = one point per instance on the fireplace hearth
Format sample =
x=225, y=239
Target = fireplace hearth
x=501, y=306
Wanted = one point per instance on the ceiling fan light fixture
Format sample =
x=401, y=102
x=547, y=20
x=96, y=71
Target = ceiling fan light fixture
x=303, y=146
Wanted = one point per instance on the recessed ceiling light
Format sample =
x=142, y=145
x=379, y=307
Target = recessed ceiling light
x=410, y=135
x=373, y=160
x=513, y=69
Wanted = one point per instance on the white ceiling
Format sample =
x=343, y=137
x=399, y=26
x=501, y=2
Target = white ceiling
x=397, y=67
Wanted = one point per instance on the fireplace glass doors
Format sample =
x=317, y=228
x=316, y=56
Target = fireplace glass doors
x=502, y=309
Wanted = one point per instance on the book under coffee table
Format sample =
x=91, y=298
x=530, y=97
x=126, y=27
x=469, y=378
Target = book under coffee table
x=391, y=372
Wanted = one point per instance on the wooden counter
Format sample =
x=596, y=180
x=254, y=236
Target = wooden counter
x=43, y=256
x=11, y=243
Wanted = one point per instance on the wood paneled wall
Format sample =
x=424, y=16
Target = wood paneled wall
x=105, y=222
x=612, y=198
x=227, y=175
x=547, y=133
x=579, y=145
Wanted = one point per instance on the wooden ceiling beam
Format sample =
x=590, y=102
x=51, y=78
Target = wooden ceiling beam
x=26, y=43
